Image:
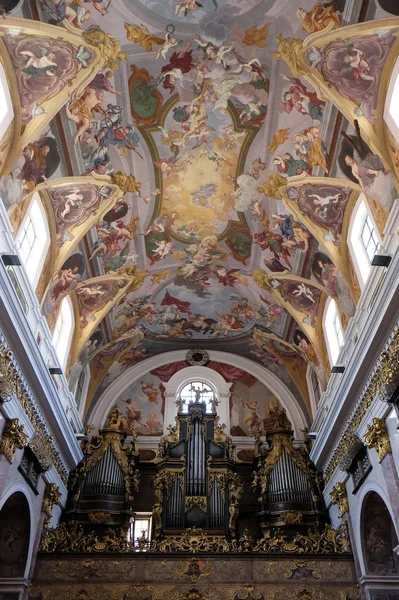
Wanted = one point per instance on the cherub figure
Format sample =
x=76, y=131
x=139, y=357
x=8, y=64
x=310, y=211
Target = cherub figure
x=356, y=65
x=170, y=42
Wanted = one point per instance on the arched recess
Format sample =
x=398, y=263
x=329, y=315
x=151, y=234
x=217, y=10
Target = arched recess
x=378, y=536
x=73, y=205
x=206, y=375
x=319, y=58
x=98, y=411
x=15, y=536
x=35, y=107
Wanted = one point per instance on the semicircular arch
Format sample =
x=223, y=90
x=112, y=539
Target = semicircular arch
x=98, y=412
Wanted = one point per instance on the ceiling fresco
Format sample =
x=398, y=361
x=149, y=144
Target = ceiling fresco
x=199, y=179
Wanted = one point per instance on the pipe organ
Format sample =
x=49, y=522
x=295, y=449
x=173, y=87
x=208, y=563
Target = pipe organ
x=289, y=485
x=196, y=484
x=101, y=487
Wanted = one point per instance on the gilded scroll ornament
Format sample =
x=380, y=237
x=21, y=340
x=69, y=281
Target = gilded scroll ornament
x=200, y=501
x=13, y=438
x=109, y=46
x=339, y=496
x=292, y=517
x=10, y=373
x=75, y=540
x=52, y=496
x=290, y=51
x=386, y=370
x=194, y=569
x=99, y=517
x=377, y=437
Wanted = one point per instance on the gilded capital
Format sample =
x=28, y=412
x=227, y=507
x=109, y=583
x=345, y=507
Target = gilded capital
x=52, y=495
x=377, y=437
x=13, y=438
x=338, y=496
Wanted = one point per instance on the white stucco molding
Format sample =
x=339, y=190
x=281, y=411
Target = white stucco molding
x=98, y=413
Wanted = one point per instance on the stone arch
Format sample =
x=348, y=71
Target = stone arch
x=378, y=536
x=15, y=536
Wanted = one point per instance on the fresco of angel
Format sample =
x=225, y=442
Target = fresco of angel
x=310, y=147
x=300, y=98
x=80, y=110
x=201, y=255
x=148, y=388
x=70, y=10
x=328, y=275
x=162, y=250
x=229, y=277
x=227, y=324
x=288, y=166
x=321, y=15
x=365, y=168
x=251, y=417
x=170, y=42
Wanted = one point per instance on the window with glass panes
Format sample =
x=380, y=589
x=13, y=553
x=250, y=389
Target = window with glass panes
x=197, y=391
x=369, y=238
x=338, y=329
x=27, y=239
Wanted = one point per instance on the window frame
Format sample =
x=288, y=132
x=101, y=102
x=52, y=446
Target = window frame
x=209, y=404
x=392, y=101
x=5, y=100
x=35, y=220
x=359, y=255
x=331, y=333
x=62, y=352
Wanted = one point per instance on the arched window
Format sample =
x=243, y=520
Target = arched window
x=333, y=331
x=313, y=387
x=63, y=330
x=363, y=240
x=198, y=391
x=391, y=109
x=81, y=388
x=33, y=239
x=6, y=110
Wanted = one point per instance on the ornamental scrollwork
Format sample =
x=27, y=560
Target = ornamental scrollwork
x=377, y=437
x=52, y=496
x=200, y=501
x=16, y=386
x=339, y=496
x=75, y=540
x=13, y=438
x=386, y=371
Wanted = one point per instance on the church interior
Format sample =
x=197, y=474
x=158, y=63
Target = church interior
x=199, y=299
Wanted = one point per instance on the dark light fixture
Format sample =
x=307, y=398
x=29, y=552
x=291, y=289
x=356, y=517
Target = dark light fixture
x=338, y=369
x=55, y=370
x=381, y=260
x=11, y=260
